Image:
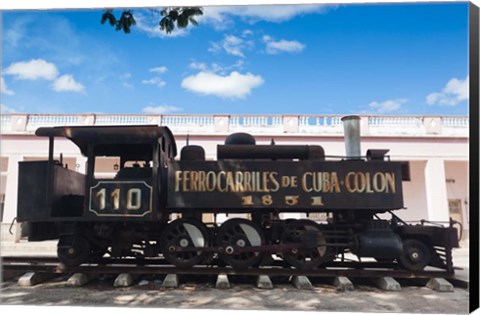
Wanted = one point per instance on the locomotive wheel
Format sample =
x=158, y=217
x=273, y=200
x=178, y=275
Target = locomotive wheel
x=415, y=255
x=305, y=258
x=74, y=254
x=240, y=233
x=184, y=233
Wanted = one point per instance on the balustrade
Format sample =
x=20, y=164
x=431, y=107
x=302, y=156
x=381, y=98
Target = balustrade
x=274, y=124
x=35, y=121
x=121, y=119
x=455, y=121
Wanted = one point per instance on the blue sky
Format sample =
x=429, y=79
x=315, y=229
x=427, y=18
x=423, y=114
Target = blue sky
x=386, y=59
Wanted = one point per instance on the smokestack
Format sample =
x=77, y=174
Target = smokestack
x=351, y=130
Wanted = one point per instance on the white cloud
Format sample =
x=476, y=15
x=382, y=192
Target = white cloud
x=155, y=81
x=220, y=16
x=6, y=110
x=162, y=109
x=232, y=45
x=124, y=78
x=215, y=67
x=275, y=47
x=198, y=65
x=66, y=83
x=234, y=85
x=246, y=33
x=387, y=106
x=453, y=93
x=4, y=89
x=161, y=69
x=33, y=70
x=40, y=69
x=16, y=31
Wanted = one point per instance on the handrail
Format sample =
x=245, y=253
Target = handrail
x=375, y=125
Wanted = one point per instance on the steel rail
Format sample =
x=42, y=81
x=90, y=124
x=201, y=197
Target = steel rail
x=347, y=269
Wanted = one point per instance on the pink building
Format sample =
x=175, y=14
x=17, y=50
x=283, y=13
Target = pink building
x=436, y=147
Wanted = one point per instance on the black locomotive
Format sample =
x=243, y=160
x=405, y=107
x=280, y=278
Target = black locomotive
x=128, y=213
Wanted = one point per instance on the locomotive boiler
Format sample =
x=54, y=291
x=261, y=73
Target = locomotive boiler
x=153, y=205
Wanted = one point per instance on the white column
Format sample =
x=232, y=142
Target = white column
x=436, y=190
x=10, y=209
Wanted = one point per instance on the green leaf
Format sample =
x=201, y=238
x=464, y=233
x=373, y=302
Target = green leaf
x=173, y=14
x=193, y=21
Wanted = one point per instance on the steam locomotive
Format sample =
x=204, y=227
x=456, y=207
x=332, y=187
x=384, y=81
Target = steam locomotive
x=152, y=205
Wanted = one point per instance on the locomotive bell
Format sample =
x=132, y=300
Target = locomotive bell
x=351, y=130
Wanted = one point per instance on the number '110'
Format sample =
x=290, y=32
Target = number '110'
x=134, y=198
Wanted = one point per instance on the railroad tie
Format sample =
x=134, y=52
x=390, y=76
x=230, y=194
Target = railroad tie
x=343, y=284
x=32, y=278
x=222, y=282
x=264, y=282
x=123, y=280
x=440, y=285
x=302, y=283
x=387, y=283
x=170, y=281
x=79, y=279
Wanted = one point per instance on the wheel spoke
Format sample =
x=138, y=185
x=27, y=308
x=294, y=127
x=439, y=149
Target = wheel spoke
x=184, y=233
x=305, y=258
x=240, y=233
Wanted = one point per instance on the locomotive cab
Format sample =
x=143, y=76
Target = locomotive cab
x=125, y=166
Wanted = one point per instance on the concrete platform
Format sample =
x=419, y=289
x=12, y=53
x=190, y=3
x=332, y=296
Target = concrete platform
x=24, y=248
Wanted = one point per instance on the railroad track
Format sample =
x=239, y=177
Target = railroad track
x=159, y=266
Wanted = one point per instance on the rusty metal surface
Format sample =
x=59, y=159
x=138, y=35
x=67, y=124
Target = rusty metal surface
x=244, y=151
x=82, y=136
x=287, y=185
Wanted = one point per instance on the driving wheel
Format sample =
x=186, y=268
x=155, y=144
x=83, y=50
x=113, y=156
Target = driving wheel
x=184, y=234
x=236, y=234
x=415, y=255
x=305, y=258
x=73, y=250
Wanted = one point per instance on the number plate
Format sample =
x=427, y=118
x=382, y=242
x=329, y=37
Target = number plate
x=115, y=198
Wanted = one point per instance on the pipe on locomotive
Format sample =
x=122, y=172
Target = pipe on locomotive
x=243, y=146
x=351, y=132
